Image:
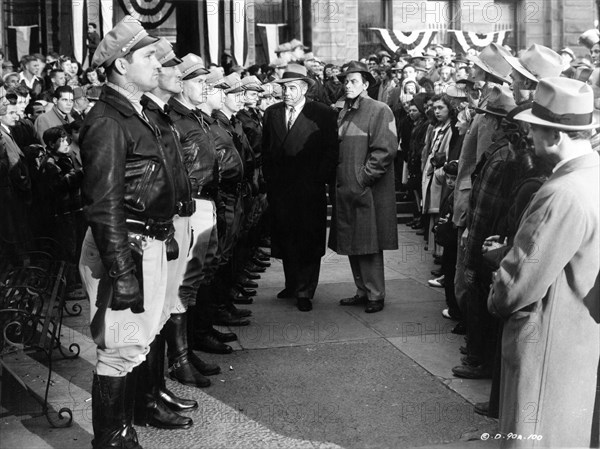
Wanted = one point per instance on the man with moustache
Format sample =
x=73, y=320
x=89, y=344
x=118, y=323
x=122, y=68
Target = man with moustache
x=130, y=192
x=300, y=152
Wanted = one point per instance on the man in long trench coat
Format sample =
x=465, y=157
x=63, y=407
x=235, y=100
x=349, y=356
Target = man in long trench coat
x=547, y=288
x=364, y=219
x=300, y=151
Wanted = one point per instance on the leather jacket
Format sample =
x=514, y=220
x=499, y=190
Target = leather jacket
x=172, y=148
x=231, y=166
x=126, y=175
x=199, y=149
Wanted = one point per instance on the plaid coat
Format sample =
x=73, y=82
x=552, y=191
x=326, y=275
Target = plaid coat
x=364, y=201
x=492, y=181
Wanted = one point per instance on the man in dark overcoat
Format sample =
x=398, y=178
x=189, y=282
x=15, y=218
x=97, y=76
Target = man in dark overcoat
x=300, y=151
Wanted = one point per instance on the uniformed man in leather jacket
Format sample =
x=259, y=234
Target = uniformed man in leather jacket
x=200, y=158
x=182, y=363
x=130, y=196
x=231, y=176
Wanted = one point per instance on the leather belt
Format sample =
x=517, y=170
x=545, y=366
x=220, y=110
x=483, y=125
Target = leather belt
x=156, y=229
x=231, y=188
x=186, y=208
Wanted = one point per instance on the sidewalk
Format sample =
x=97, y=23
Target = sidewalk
x=333, y=377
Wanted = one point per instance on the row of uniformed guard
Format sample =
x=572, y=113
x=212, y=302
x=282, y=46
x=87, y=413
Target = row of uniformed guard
x=174, y=198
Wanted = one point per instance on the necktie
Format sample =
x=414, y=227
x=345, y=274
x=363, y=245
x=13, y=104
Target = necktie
x=291, y=118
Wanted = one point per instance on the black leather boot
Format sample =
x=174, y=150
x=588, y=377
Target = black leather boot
x=223, y=337
x=226, y=318
x=150, y=409
x=180, y=368
x=111, y=421
x=208, y=343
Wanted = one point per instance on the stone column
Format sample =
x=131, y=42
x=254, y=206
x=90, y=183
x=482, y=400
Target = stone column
x=335, y=30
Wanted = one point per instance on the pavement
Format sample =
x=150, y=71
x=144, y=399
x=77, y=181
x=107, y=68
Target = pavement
x=331, y=378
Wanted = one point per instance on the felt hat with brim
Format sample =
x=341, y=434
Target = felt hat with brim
x=93, y=93
x=295, y=72
x=295, y=43
x=126, y=37
x=248, y=83
x=461, y=60
x=165, y=54
x=567, y=51
x=493, y=59
x=456, y=91
x=561, y=103
x=78, y=93
x=283, y=47
x=279, y=63
x=192, y=66
x=466, y=81
x=537, y=62
x=358, y=67
x=590, y=38
x=500, y=102
x=383, y=53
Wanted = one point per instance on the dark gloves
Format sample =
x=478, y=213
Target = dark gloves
x=126, y=288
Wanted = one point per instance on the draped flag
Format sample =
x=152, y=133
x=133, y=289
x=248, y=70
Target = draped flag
x=23, y=39
x=470, y=39
x=411, y=40
x=271, y=38
x=106, y=13
x=151, y=13
x=78, y=32
x=226, y=30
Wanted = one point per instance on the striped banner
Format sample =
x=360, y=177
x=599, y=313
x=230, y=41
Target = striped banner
x=271, y=39
x=226, y=30
x=478, y=41
x=412, y=40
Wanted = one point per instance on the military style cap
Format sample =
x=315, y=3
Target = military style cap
x=165, y=54
x=191, y=67
x=234, y=81
x=216, y=79
x=247, y=83
x=126, y=37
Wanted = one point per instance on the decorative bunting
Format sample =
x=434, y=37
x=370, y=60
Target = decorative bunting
x=151, y=13
x=470, y=39
x=412, y=40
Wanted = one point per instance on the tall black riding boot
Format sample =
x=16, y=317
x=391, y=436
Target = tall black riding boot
x=111, y=421
x=181, y=360
x=150, y=408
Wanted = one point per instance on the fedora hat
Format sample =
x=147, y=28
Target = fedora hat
x=295, y=43
x=567, y=51
x=456, y=91
x=561, y=103
x=500, y=102
x=295, y=72
x=493, y=59
x=358, y=67
x=590, y=38
x=286, y=46
x=537, y=62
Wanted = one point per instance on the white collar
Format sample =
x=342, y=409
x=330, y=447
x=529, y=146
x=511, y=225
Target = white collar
x=161, y=104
